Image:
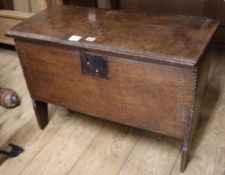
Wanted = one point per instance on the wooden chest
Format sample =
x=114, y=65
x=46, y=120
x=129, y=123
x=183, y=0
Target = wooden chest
x=140, y=70
x=214, y=9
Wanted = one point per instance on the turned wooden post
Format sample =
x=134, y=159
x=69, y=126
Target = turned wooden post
x=9, y=98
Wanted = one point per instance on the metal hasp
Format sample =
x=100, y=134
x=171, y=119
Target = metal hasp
x=94, y=65
x=14, y=152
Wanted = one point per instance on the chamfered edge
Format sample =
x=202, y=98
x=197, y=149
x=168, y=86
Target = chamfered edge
x=147, y=56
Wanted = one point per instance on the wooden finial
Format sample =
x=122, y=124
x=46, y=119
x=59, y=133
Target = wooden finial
x=9, y=98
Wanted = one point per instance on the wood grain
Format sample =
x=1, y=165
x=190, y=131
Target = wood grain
x=214, y=9
x=8, y=19
x=22, y=10
x=106, y=4
x=127, y=88
x=151, y=154
x=37, y=5
x=154, y=34
x=79, y=134
x=149, y=150
x=221, y=12
x=155, y=81
x=33, y=142
x=191, y=7
x=7, y=23
x=15, y=14
x=14, y=118
x=114, y=145
x=22, y=5
x=29, y=5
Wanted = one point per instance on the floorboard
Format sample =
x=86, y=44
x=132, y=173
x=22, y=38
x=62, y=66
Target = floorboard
x=77, y=144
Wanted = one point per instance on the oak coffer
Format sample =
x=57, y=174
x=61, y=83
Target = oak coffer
x=137, y=69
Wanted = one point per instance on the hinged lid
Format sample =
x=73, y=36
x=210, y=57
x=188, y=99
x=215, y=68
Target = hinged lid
x=173, y=39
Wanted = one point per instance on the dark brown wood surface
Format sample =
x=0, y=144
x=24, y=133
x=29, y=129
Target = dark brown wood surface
x=220, y=35
x=188, y=7
x=136, y=94
x=174, y=39
x=221, y=12
x=156, y=68
x=89, y=3
x=214, y=9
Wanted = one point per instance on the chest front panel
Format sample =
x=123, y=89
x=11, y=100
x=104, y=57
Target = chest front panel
x=144, y=95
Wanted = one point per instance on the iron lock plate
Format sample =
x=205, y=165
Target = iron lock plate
x=94, y=65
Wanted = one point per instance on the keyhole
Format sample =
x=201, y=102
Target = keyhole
x=88, y=62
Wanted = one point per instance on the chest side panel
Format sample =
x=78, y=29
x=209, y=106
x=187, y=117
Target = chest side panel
x=148, y=96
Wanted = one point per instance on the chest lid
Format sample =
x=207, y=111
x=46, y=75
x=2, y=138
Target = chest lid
x=172, y=39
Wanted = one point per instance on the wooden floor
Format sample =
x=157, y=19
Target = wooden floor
x=76, y=144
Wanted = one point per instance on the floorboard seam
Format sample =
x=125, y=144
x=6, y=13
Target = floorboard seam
x=42, y=148
x=92, y=141
x=125, y=161
x=174, y=164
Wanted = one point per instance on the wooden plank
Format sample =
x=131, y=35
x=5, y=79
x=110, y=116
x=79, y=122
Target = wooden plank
x=153, y=43
x=6, y=4
x=114, y=144
x=17, y=117
x=37, y=5
x=106, y=4
x=34, y=140
x=221, y=12
x=14, y=118
x=211, y=53
x=190, y=7
x=15, y=14
x=22, y=5
x=8, y=19
x=79, y=133
x=219, y=36
x=9, y=58
x=7, y=41
x=54, y=2
x=163, y=83
x=207, y=156
x=153, y=154
x=7, y=23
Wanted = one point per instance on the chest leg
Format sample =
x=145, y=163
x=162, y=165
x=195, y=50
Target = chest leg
x=41, y=112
